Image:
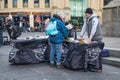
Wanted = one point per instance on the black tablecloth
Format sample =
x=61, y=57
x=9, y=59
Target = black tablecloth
x=26, y=47
x=80, y=55
x=28, y=43
x=28, y=51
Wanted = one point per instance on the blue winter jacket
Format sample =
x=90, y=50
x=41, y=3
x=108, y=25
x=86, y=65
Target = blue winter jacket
x=62, y=34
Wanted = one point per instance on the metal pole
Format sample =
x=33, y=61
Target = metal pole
x=0, y=4
x=117, y=21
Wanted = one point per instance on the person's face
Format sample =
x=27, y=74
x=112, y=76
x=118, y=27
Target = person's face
x=63, y=19
x=87, y=15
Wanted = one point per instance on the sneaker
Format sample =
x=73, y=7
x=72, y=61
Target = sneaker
x=59, y=66
x=51, y=65
x=99, y=70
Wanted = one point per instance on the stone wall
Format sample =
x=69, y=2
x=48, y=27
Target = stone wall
x=97, y=6
x=111, y=22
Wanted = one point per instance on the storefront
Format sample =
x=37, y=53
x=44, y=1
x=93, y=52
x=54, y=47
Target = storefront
x=3, y=16
x=21, y=19
x=39, y=20
x=29, y=18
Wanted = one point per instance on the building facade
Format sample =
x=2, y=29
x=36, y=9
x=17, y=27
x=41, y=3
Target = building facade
x=29, y=10
x=111, y=20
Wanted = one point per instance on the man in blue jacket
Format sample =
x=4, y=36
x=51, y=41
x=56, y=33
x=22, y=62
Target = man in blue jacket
x=56, y=41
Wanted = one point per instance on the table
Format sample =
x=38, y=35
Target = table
x=80, y=55
x=28, y=51
x=28, y=43
x=76, y=55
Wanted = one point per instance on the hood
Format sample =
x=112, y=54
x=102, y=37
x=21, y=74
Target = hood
x=55, y=17
x=92, y=16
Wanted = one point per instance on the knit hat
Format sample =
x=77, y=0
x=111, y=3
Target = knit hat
x=61, y=14
x=89, y=11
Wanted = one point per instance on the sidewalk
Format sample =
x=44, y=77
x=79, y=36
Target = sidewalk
x=112, y=42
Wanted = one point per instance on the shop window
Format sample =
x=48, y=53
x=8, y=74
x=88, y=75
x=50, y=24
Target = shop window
x=25, y=3
x=77, y=12
x=5, y=3
x=36, y=3
x=76, y=7
x=47, y=3
x=14, y=3
x=16, y=20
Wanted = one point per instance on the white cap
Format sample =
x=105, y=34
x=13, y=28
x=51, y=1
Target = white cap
x=61, y=14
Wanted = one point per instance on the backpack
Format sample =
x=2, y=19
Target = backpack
x=51, y=28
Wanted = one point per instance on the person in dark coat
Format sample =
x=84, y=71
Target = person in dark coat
x=8, y=25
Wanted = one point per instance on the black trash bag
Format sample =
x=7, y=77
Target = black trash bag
x=93, y=61
x=25, y=56
x=75, y=57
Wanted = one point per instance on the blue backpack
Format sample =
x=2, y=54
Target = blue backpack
x=51, y=28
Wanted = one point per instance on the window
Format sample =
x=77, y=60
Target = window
x=47, y=3
x=5, y=3
x=78, y=7
x=36, y=3
x=14, y=3
x=25, y=3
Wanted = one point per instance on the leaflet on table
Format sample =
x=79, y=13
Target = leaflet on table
x=35, y=37
x=76, y=41
x=40, y=37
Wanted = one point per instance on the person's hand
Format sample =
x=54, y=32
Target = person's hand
x=89, y=40
x=10, y=27
x=66, y=39
x=81, y=38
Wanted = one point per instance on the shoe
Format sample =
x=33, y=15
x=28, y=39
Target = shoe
x=52, y=65
x=99, y=70
x=59, y=66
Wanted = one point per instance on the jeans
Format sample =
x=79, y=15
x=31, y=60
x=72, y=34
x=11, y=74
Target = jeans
x=55, y=49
